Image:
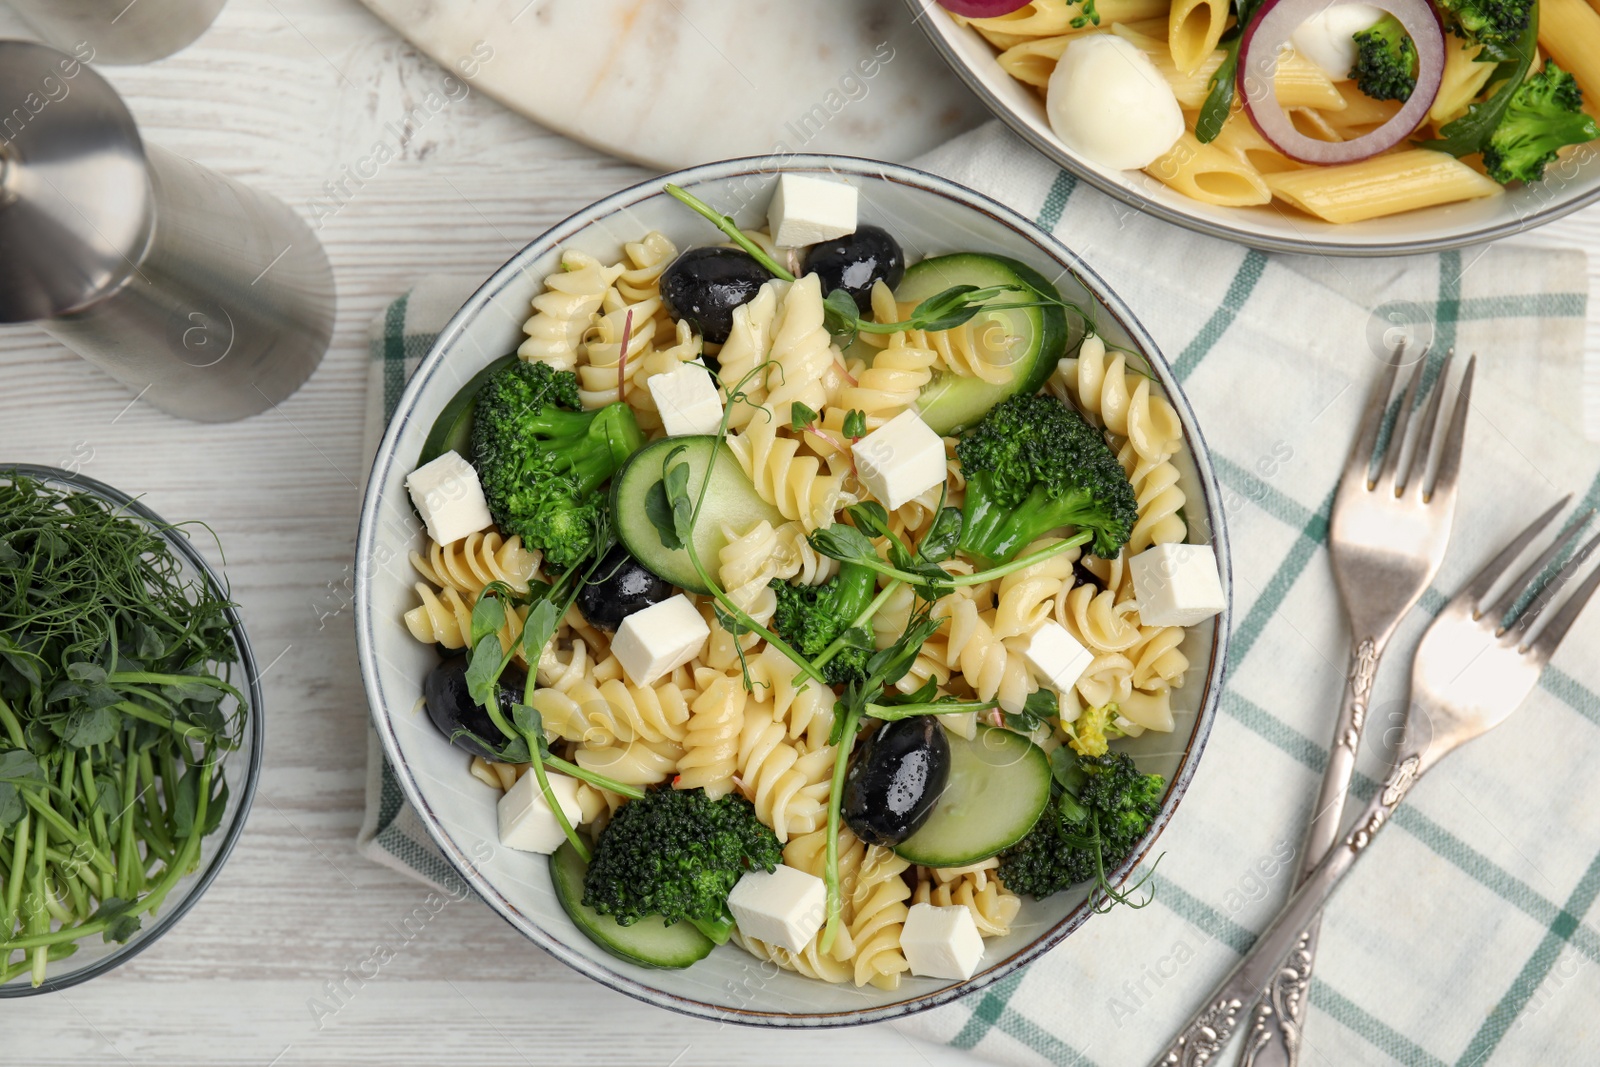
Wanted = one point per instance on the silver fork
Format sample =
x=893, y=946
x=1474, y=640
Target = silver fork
x=1471, y=671
x=1386, y=539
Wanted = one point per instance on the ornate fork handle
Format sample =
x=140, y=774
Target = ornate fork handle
x=1210, y=1029
x=1275, y=1026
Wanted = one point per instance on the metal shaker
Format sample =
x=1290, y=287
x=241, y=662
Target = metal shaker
x=208, y=299
x=119, y=31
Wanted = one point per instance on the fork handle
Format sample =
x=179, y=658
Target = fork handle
x=1208, y=1032
x=1275, y=1025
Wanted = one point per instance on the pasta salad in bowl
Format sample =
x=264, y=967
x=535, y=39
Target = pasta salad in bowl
x=1332, y=126
x=794, y=593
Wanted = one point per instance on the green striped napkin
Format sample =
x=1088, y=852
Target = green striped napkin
x=1467, y=937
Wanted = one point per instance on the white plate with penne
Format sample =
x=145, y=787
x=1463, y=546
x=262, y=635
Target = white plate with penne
x=1305, y=126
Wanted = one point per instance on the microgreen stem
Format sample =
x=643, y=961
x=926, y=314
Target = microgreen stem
x=836, y=646
x=538, y=748
x=956, y=581
x=726, y=224
x=891, y=712
x=13, y=727
x=830, y=873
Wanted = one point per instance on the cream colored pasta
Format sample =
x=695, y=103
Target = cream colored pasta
x=476, y=560
x=1383, y=185
x=1155, y=484
x=992, y=670
x=1193, y=29
x=878, y=913
x=746, y=349
x=1099, y=382
x=1209, y=174
x=788, y=785
x=563, y=312
x=993, y=909
x=1027, y=596
x=711, y=744
x=1569, y=30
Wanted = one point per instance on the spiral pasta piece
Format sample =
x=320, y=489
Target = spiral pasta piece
x=614, y=348
x=807, y=713
x=808, y=852
x=878, y=914
x=1158, y=659
x=563, y=312
x=746, y=348
x=1098, y=619
x=992, y=669
x=993, y=909
x=1155, y=485
x=1124, y=401
x=685, y=348
x=644, y=261
x=1027, y=597
x=806, y=367
x=445, y=618
x=1107, y=680
x=793, y=483
x=711, y=743
x=633, y=763
x=476, y=560
x=788, y=786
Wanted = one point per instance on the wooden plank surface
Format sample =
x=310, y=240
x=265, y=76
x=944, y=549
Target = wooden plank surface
x=282, y=94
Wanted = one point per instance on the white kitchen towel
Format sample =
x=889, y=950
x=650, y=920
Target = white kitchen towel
x=1466, y=939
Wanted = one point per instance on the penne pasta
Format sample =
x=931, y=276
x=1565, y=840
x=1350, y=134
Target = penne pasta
x=1301, y=83
x=1034, y=60
x=1191, y=88
x=1193, y=29
x=1362, y=115
x=1312, y=123
x=1384, y=185
x=1463, y=80
x=1569, y=31
x=1210, y=174
x=1240, y=136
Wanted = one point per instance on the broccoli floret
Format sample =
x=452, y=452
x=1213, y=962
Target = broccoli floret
x=811, y=617
x=1092, y=823
x=1497, y=23
x=1092, y=729
x=677, y=853
x=1034, y=464
x=541, y=457
x=1545, y=114
x=1386, y=61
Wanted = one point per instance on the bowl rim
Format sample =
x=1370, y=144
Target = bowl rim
x=246, y=792
x=1061, y=157
x=608, y=207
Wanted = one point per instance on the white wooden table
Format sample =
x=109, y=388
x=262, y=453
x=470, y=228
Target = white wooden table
x=282, y=94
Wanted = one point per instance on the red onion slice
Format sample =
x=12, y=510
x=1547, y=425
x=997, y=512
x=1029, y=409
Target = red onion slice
x=1266, y=36
x=983, y=9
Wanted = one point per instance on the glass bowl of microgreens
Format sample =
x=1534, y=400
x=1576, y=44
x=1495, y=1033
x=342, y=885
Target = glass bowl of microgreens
x=728, y=577
x=130, y=727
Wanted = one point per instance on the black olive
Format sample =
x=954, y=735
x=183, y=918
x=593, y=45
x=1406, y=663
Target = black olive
x=704, y=285
x=1082, y=575
x=855, y=262
x=620, y=586
x=452, y=708
x=895, y=777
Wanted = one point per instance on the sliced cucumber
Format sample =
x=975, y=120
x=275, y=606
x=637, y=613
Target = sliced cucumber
x=730, y=500
x=452, y=430
x=951, y=403
x=650, y=942
x=999, y=785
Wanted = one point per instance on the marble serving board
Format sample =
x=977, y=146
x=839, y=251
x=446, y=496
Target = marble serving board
x=669, y=83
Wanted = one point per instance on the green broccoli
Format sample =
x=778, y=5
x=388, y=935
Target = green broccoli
x=1100, y=808
x=811, y=617
x=1386, y=61
x=1496, y=23
x=1545, y=113
x=541, y=458
x=678, y=854
x=1034, y=464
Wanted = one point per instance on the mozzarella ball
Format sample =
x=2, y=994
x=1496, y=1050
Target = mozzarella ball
x=1108, y=103
x=1327, y=38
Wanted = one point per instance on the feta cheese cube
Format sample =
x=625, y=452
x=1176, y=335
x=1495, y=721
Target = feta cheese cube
x=806, y=210
x=1056, y=655
x=526, y=822
x=900, y=459
x=1176, y=585
x=941, y=942
x=687, y=398
x=784, y=907
x=662, y=637
x=449, y=498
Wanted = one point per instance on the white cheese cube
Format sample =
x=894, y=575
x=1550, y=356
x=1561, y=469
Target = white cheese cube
x=660, y=638
x=806, y=210
x=941, y=942
x=1056, y=655
x=900, y=459
x=1176, y=585
x=687, y=398
x=784, y=907
x=526, y=822
x=449, y=498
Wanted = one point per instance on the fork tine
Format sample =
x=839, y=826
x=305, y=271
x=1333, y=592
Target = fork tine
x=1530, y=574
x=1496, y=568
x=1449, y=472
x=1549, y=639
x=1552, y=589
x=1388, y=474
x=1360, y=461
x=1428, y=429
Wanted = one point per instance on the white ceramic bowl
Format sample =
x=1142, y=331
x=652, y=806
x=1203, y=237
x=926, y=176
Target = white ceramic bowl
x=1570, y=184
x=929, y=215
